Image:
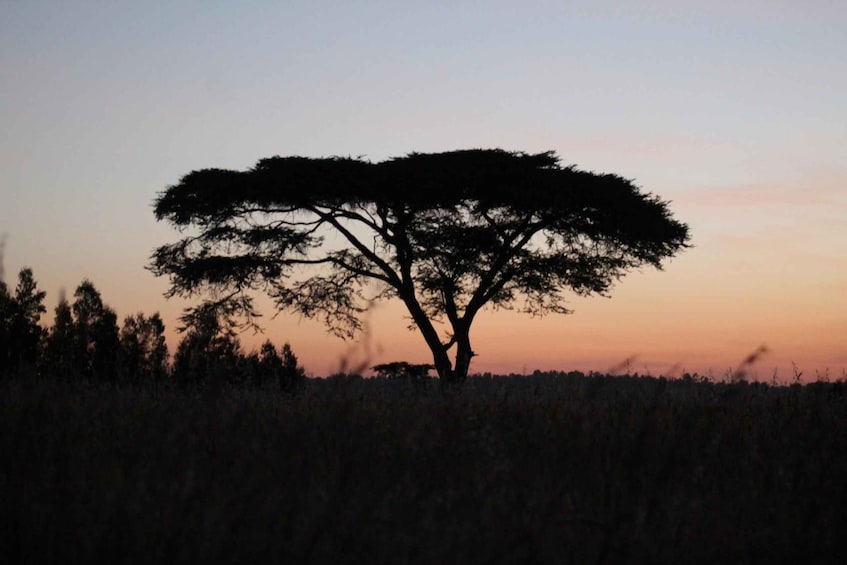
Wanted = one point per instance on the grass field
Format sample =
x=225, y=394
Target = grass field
x=567, y=469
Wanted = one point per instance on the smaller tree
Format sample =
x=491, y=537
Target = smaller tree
x=96, y=334
x=59, y=359
x=292, y=375
x=403, y=370
x=143, y=348
x=269, y=363
x=209, y=348
x=281, y=367
x=20, y=334
x=27, y=334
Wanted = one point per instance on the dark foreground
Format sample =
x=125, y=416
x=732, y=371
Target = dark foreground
x=534, y=470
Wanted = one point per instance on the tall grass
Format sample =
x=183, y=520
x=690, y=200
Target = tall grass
x=545, y=470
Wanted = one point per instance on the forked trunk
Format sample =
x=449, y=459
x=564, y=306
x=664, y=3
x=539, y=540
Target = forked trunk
x=448, y=374
x=454, y=375
x=442, y=364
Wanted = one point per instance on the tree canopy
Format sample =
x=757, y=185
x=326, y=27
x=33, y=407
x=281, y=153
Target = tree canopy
x=446, y=233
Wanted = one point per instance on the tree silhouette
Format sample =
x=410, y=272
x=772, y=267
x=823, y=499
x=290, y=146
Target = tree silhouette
x=402, y=370
x=446, y=233
x=209, y=348
x=291, y=374
x=97, y=344
x=282, y=368
x=26, y=332
x=59, y=356
x=20, y=334
x=269, y=363
x=143, y=347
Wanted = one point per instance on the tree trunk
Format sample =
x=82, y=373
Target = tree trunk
x=439, y=354
x=443, y=366
x=452, y=376
x=464, y=354
x=442, y=362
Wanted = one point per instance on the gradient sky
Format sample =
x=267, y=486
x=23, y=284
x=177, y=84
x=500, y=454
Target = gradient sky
x=734, y=111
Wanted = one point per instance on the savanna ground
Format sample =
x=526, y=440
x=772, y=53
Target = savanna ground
x=567, y=469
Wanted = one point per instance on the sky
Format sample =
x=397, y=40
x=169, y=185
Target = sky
x=733, y=111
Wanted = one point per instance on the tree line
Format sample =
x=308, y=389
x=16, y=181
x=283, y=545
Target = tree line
x=86, y=343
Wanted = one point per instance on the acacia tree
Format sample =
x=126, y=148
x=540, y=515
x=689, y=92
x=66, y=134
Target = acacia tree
x=446, y=233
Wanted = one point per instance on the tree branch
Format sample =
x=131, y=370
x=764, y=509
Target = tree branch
x=391, y=276
x=515, y=243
